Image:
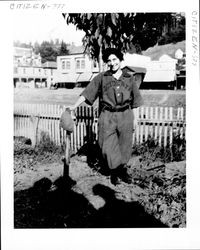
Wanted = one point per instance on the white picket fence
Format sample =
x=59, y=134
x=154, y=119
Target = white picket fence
x=33, y=120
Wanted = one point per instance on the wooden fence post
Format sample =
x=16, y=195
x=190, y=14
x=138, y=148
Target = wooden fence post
x=34, y=129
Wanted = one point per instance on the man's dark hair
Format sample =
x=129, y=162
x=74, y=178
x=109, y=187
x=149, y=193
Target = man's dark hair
x=109, y=51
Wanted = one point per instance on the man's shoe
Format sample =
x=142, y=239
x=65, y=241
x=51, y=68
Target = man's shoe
x=114, y=180
x=124, y=176
x=127, y=179
x=114, y=176
x=120, y=174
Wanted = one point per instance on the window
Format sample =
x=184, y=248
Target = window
x=67, y=64
x=82, y=64
x=63, y=65
x=24, y=71
x=78, y=64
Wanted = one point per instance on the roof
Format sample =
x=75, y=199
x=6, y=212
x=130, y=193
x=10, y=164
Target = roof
x=50, y=64
x=19, y=52
x=168, y=49
x=73, y=50
x=135, y=69
x=84, y=77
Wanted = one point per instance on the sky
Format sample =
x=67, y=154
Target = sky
x=34, y=27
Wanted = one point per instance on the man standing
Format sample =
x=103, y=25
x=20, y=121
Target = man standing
x=119, y=97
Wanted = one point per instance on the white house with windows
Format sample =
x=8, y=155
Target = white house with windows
x=75, y=68
x=50, y=69
x=29, y=77
x=162, y=70
x=28, y=71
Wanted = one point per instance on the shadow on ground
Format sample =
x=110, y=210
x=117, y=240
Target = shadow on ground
x=94, y=157
x=61, y=207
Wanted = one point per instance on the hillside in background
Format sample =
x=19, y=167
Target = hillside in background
x=169, y=49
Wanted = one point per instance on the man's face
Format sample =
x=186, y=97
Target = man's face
x=113, y=63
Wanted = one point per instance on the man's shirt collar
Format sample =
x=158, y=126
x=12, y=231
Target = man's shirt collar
x=124, y=73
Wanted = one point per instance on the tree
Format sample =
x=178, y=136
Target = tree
x=63, y=49
x=47, y=51
x=132, y=32
x=36, y=47
x=176, y=33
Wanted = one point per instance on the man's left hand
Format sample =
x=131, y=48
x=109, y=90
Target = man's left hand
x=135, y=123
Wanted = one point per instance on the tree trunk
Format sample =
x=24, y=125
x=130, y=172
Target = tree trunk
x=100, y=60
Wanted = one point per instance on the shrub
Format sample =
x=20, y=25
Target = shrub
x=151, y=151
x=46, y=144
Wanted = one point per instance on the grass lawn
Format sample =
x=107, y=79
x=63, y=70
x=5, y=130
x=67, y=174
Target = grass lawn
x=164, y=98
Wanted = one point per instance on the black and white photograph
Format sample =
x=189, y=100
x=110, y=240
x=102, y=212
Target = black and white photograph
x=102, y=126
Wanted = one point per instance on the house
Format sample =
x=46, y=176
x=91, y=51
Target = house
x=161, y=73
x=151, y=73
x=50, y=69
x=76, y=68
x=167, y=66
x=28, y=71
x=181, y=69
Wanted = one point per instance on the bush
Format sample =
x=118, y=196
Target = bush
x=151, y=151
x=27, y=156
x=46, y=144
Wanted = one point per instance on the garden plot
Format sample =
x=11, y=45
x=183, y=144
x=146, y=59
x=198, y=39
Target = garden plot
x=156, y=197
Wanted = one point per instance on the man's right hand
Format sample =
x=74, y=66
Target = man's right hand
x=72, y=111
x=72, y=108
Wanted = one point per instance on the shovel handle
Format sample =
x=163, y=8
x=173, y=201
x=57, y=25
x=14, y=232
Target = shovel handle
x=67, y=148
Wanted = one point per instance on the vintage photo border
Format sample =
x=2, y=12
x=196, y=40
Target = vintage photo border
x=180, y=238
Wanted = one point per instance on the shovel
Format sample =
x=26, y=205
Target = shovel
x=67, y=124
